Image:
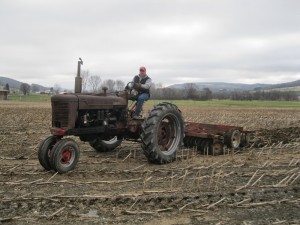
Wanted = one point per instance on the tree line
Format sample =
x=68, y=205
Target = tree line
x=192, y=92
x=270, y=95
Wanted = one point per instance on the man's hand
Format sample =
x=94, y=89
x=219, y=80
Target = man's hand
x=136, y=79
x=137, y=86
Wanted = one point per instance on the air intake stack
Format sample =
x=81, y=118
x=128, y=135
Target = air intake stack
x=78, y=79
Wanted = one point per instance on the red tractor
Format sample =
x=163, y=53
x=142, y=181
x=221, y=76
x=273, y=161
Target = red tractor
x=104, y=120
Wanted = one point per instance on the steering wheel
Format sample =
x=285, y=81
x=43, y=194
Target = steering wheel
x=133, y=93
x=129, y=86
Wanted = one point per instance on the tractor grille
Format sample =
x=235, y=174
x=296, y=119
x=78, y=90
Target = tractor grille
x=60, y=114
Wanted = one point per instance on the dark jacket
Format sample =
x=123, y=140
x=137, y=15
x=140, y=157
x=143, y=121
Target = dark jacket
x=145, y=83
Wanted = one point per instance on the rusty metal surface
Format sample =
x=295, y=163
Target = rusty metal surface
x=64, y=110
x=88, y=102
x=203, y=130
x=78, y=79
x=166, y=135
x=211, y=138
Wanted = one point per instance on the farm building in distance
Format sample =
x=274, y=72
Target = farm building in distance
x=3, y=94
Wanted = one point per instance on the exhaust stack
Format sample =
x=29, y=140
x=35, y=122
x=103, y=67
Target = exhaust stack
x=78, y=79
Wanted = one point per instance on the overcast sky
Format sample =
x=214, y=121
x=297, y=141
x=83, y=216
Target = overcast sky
x=178, y=41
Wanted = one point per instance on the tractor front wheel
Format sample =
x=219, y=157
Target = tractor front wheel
x=64, y=155
x=163, y=133
x=44, y=150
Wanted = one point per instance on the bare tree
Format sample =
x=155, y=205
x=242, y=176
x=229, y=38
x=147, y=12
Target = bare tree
x=153, y=88
x=85, y=75
x=110, y=84
x=56, y=88
x=159, y=85
x=191, y=90
x=94, y=82
x=120, y=85
x=35, y=88
x=25, y=88
x=207, y=94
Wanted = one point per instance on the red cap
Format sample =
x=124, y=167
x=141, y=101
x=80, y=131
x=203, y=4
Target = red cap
x=142, y=68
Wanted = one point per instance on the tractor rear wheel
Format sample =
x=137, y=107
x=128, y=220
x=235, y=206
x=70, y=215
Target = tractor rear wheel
x=163, y=133
x=64, y=155
x=101, y=145
x=44, y=149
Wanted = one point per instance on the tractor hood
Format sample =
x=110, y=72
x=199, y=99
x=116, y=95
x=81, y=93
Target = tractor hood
x=100, y=102
x=86, y=101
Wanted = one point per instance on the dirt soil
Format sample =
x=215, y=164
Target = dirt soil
x=255, y=185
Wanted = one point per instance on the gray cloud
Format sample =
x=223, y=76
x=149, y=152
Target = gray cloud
x=178, y=41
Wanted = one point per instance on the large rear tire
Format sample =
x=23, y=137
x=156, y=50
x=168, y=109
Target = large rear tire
x=105, y=145
x=163, y=133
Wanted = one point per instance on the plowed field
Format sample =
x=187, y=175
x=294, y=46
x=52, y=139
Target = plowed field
x=255, y=185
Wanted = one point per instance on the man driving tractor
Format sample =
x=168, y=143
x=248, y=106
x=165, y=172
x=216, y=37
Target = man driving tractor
x=142, y=84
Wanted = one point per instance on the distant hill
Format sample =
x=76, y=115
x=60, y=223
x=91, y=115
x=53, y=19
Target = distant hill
x=16, y=84
x=11, y=82
x=221, y=86
x=40, y=87
x=284, y=85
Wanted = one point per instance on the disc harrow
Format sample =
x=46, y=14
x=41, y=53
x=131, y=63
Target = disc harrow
x=210, y=139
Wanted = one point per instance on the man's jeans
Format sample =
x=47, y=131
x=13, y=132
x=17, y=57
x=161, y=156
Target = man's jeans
x=140, y=101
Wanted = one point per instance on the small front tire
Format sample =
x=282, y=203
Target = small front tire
x=44, y=151
x=64, y=155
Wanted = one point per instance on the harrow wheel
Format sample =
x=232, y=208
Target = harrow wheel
x=185, y=141
x=44, y=150
x=163, y=133
x=105, y=145
x=192, y=142
x=233, y=139
x=205, y=147
x=216, y=148
x=198, y=144
x=245, y=140
x=64, y=155
x=189, y=142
